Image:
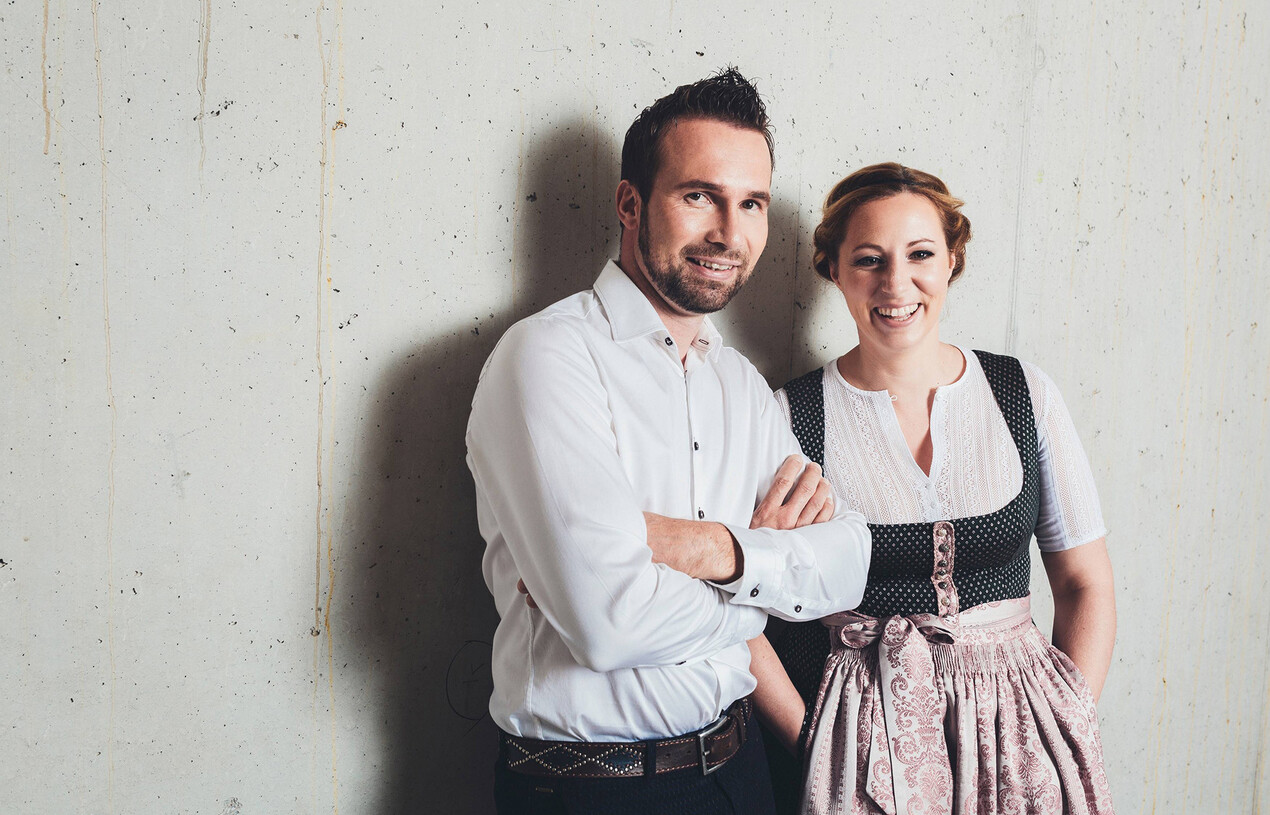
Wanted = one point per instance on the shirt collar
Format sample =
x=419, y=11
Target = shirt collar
x=631, y=315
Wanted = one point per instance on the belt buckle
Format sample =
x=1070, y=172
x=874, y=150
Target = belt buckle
x=714, y=727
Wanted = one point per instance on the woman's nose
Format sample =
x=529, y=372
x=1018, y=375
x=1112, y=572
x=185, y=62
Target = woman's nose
x=893, y=277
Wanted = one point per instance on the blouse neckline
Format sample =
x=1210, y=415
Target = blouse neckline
x=968, y=358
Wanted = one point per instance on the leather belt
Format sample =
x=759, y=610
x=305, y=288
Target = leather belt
x=708, y=748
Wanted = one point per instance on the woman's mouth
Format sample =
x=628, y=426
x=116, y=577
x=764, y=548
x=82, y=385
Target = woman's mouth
x=897, y=315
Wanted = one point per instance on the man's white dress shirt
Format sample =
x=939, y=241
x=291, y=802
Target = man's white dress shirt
x=583, y=419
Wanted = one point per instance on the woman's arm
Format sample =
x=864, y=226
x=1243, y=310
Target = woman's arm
x=1084, y=608
x=779, y=706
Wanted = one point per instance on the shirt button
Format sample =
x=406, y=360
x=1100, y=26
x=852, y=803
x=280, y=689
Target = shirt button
x=701, y=513
x=797, y=609
x=669, y=341
x=696, y=446
x=754, y=592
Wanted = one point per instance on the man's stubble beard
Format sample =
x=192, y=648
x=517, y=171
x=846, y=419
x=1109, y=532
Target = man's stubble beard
x=678, y=285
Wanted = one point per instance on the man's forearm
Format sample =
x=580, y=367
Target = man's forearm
x=702, y=549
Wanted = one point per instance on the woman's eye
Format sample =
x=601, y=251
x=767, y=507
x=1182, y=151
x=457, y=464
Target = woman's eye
x=922, y=254
x=868, y=260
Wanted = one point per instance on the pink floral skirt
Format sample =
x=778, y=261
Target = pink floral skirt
x=970, y=713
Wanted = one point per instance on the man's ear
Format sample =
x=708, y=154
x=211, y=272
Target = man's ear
x=630, y=207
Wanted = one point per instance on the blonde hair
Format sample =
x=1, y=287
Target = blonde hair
x=882, y=181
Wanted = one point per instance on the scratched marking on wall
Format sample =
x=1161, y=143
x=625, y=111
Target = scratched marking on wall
x=469, y=681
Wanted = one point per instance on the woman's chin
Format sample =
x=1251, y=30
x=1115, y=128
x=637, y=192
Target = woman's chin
x=893, y=338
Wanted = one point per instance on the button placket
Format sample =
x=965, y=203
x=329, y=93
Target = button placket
x=944, y=541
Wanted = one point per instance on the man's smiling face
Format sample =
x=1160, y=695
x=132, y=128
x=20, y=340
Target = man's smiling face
x=704, y=224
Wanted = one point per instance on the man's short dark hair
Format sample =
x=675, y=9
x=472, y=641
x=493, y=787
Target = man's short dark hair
x=725, y=97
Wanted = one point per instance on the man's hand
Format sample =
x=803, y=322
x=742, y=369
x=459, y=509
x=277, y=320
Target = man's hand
x=700, y=549
x=529, y=598
x=706, y=551
x=799, y=496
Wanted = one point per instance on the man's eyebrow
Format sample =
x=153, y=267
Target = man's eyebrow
x=710, y=186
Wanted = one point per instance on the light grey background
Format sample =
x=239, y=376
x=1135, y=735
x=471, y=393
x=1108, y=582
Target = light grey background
x=255, y=253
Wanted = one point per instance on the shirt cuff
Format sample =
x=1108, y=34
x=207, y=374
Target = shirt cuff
x=761, y=572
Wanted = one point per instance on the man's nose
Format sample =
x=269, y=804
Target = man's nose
x=726, y=230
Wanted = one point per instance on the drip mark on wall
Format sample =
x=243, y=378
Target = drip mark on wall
x=114, y=419
x=44, y=78
x=331, y=59
x=204, y=41
x=518, y=211
x=1030, y=42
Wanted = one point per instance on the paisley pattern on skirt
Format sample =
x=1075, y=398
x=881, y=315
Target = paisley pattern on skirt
x=967, y=713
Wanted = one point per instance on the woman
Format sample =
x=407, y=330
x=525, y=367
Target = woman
x=938, y=694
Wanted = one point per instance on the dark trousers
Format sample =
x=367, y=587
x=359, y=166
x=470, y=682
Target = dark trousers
x=740, y=787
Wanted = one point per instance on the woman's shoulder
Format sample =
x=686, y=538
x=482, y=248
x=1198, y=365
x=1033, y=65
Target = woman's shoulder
x=806, y=389
x=1037, y=379
x=809, y=380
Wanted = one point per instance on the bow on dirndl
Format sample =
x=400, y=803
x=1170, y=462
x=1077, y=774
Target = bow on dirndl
x=912, y=703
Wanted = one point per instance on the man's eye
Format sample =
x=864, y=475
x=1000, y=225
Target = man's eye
x=754, y=205
x=696, y=197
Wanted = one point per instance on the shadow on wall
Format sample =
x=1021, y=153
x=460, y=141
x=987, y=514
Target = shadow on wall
x=763, y=320
x=418, y=599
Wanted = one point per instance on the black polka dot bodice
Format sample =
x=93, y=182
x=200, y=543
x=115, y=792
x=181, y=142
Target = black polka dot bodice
x=939, y=567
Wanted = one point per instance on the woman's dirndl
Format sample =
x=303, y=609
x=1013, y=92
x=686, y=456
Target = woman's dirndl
x=939, y=694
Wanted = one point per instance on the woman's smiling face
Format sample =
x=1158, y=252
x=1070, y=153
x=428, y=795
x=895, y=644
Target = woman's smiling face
x=893, y=268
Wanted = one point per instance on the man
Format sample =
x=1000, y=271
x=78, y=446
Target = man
x=619, y=451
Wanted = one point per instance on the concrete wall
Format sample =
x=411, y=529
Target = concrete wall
x=255, y=253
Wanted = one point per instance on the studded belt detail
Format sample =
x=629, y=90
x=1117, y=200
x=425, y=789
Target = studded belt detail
x=707, y=749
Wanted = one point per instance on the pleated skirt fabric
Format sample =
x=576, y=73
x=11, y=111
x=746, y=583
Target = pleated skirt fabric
x=973, y=714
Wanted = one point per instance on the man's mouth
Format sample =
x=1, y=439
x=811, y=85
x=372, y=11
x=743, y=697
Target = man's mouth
x=714, y=267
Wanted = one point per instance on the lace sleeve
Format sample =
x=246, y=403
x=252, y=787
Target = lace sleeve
x=1070, y=512
x=783, y=401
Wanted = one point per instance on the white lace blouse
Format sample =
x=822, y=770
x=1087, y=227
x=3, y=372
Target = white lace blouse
x=975, y=468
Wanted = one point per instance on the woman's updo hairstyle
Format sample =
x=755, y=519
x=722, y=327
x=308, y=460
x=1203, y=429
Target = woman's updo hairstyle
x=883, y=181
